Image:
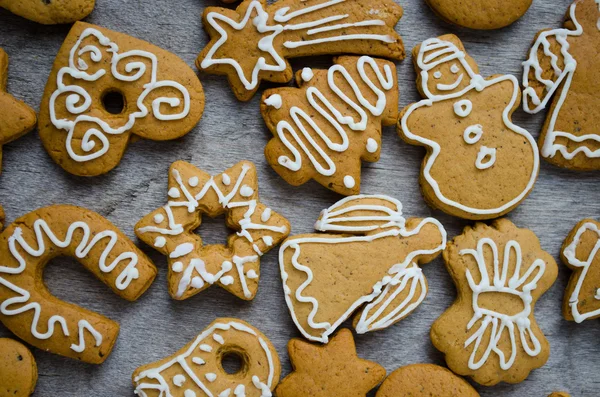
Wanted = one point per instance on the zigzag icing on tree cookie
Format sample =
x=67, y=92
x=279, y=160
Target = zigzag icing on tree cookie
x=25, y=248
x=368, y=261
x=324, y=128
x=560, y=67
x=194, y=267
x=252, y=43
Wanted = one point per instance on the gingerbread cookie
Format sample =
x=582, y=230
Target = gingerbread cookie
x=193, y=267
x=425, y=380
x=18, y=370
x=368, y=262
x=581, y=253
x=329, y=370
x=29, y=310
x=106, y=87
x=490, y=332
x=480, y=14
x=560, y=68
x=17, y=118
x=254, y=42
x=333, y=121
x=50, y=12
x=559, y=394
x=479, y=165
x=197, y=369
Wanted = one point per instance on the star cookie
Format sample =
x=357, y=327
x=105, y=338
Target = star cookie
x=193, y=266
x=329, y=370
x=17, y=118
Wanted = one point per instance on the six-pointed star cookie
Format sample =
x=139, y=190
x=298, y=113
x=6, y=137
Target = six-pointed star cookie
x=194, y=266
x=329, y=370
x=17, y=118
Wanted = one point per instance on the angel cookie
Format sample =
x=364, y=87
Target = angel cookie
x=197, y=369
x=368, y=262
x=479, y=165
x=193, y=267
x=581, y=253
x=16, y=118
x=29, y=310
x=254, y=42
x=490, y=332
x=324, y=129
x=50, y=12
x=563, y=66
x=106, y=87
x=480, y=14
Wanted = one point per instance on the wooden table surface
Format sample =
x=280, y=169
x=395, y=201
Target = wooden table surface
x=156, y=326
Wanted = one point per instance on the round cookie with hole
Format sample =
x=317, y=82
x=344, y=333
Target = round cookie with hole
x=480, y=14
x=107, y=87
x=18, y=370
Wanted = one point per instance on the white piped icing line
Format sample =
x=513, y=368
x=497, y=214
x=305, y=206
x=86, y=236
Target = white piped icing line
x=518, y=325
x=300, y=37
x=445, y=51
x=400, y=277
x=253, y=384
x=191, y=268
x=562, y=78
x=78, y=101
x=570, y=254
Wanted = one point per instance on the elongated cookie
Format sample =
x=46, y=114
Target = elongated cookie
x=480, y=14
x=18, y=370
x=50, y=12
x=106, y=87
x=323, y=129
x=479, y=165
x=366, y=262
x=16, y=118
x=254, y=42
x=561, y=69
x=329, y=370
x=197, y=369
x=29, y=310
x=581, y=253
x=193, y=266
x=490, y=332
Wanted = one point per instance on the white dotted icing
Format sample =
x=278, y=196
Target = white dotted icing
x=349, y=182
x=246, y=191
x=160, y=241
x=437, y=74
x=178, y=380
x=307, y=74
x=463, y=107
x=177, y=267
x=372, y=145
x=174, y=192
x=159, y=218
x=211, y=377
x=226, y=179
x=275, y=101
x=193, y=181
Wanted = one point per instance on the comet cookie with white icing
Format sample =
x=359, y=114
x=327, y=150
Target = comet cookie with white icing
x=254, y=42
x=479, y=165
x=323, y=129
x=490, y=332
x=193, y=266
x=365, y=261
x=107, y=87
x=29, y=310
x=197, y=369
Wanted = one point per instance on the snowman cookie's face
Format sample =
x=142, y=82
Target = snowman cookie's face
x=448, y=77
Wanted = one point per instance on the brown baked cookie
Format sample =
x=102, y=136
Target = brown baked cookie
x=479, y=165
x=324, y=129
x=44, y=321
x=50, y=12
x=581, y=253
x=193, y=266
x=559, y=394
x=366, y=262
x=16, y=118
x=329, y=370
x=490, y=332
x=562, y=69
x=480, y=14
x=18, y=370
x=425, y=380
x=198, y=369
x=254, y=42
x=106, y=87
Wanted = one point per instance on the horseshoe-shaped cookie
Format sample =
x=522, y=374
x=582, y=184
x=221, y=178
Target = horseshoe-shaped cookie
x=29, y=310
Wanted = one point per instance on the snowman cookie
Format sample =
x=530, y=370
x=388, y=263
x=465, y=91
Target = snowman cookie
x=479, y=165
x=480, y=14
x=50, y=12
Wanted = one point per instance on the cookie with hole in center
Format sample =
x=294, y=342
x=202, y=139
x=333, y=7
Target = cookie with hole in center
x=480, y=14
x=18, y=370
x=50, y=12
x=107, y=87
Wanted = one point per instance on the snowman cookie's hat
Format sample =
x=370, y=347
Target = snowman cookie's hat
x=435, y=51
